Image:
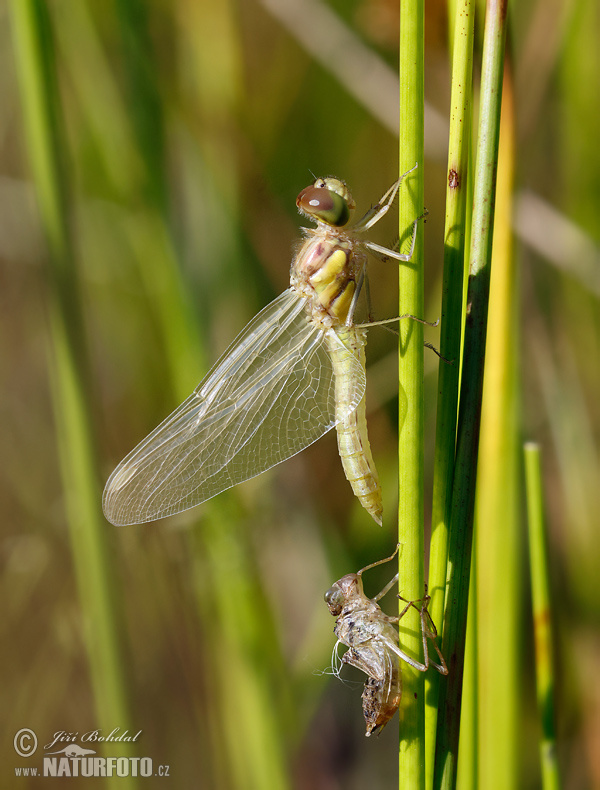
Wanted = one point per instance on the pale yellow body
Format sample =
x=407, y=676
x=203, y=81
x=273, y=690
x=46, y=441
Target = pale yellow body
x=353, y=441
x=326, y=271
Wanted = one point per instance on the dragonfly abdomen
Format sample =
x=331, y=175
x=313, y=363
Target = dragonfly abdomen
x=353, y=441
x=381, y=699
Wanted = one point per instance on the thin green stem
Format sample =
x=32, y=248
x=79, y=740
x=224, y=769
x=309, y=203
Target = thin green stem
x=463, y=495
x=468, y=756
x=450, y=337
x=542, y=619
x=411, y=404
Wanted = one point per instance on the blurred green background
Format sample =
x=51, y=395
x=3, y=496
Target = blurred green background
x=189, y=129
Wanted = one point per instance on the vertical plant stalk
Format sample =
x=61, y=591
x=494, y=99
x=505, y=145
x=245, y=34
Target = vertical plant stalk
x=465, y=473
x=68, y=369
x=450, y=338
x=542, y=619
x=411, y=401
x=468, y=754
x=498, y=500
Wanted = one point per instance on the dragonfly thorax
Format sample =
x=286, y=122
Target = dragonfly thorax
x=325, y=271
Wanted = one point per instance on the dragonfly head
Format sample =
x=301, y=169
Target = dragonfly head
x=343, y=591
x=328, y=200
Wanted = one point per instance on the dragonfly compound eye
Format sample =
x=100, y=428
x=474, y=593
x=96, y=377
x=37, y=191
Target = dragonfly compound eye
x=334, y=598
x=325, y=205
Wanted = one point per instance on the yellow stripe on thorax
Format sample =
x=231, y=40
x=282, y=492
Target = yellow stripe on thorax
x=332, y=286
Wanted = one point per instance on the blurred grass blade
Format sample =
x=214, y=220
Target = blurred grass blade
x=542, y=615
x=244, y=733
x=160, y=265
x=250, y=717
x=68, y=364
x=468, y=753
x=463, y=495
x=411, y=397
x=244, y=656
x=498, y=503
x=145, y=106
x=450, y=338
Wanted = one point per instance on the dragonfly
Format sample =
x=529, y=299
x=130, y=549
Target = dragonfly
x=296, y=371
x=374, y=645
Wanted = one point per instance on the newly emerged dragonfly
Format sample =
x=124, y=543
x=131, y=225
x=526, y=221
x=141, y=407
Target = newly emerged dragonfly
x=374, y=643
x=296, y=371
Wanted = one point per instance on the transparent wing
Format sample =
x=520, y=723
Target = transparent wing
x=270, y=395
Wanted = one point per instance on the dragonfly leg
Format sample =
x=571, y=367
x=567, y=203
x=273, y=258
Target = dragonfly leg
x=362, y=280
x=428, y=630
x=437, y=353
x=385, y=253
x=379, y=562
x=397, y=618
x=380, y=209
x=368, y=297
x=425, y=633
x=385, y=321
x=391, y=645
x=391, y=583
x=431, y=633
x=386, y=589
x=397, y=318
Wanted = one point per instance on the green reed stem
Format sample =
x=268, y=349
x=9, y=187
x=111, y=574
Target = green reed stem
x=450, y=338
x=463, y=495
x=542, y=615
x=411, y=402
x=498, y=503
x=68, y=369
x=468, y=756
